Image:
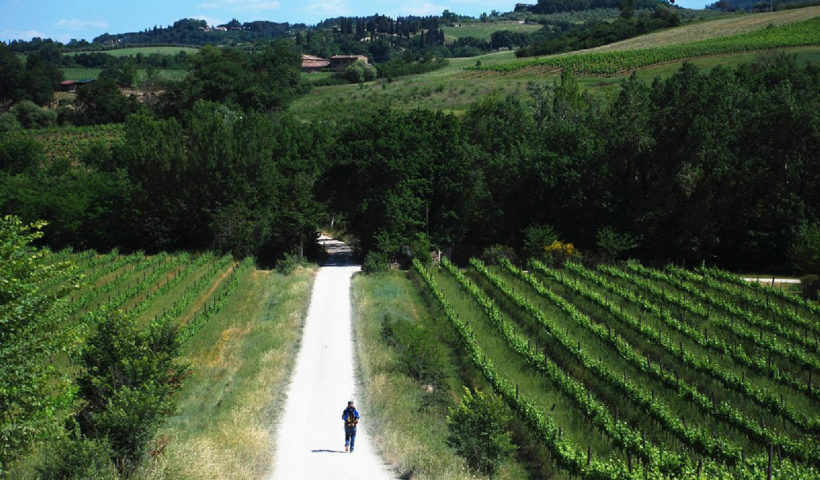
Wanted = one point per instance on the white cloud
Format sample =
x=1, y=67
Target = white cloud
x=329, y=8
x=21, y=34
x=76, y=24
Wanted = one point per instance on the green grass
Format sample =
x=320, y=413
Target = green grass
x=411, y=436
x=239, y=365
x=484, y=31
x=130, y=51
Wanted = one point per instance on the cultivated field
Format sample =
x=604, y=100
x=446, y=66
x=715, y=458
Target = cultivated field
x=93, y=73
x=631, y=372
x=483, y=31
x=239, y=327
x=148, y=50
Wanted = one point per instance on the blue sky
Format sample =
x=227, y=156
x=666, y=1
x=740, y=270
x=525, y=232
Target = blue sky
x=67, y=19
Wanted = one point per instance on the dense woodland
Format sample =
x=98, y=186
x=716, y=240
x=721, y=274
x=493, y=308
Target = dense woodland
x=720, y=167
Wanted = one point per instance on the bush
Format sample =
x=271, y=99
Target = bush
x=811, y=287
x=420, y=248
x=614, y=244
x=805, y=248
x=536, y=238
x=288, y=264
x=128, y=384
x=375, y=262
x=491, y=255
x=359, y=72
x=9, y=123
x=478, y=431
x=30, y=115
x=75, y=457
x=420, y=353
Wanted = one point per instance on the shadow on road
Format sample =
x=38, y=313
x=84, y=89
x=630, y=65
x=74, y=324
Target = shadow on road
x=327, y=451
x=338, y=253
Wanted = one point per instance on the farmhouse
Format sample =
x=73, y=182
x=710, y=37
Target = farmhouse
x=311, y=63
x=340, y=62
x=73, y=85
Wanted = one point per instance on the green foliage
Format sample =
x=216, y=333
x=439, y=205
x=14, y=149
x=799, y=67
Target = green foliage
x=19, y=154
x=420, y=352
x=420, y=247
x=478, y=431
x=32, y=116
x=614, y=244
x=359, y=72
x=30, y=390
x=101, y=102
x=810, y=284
x=375, y=262
x=128, y=384
x=8, y=123
x=74, y=457
x=537, y=238
x=288, y=264
x=805, y=249
x=492, y=255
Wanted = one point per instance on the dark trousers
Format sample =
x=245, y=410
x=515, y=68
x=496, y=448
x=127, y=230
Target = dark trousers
x=350, y=437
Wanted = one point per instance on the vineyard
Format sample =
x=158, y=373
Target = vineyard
x=69, y=143
x=610, y=63
x=630, y=372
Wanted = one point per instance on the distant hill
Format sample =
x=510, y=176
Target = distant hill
x=190, y=31
x=557, y=6
x=759, y=5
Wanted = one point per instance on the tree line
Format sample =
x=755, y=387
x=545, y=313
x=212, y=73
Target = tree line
x=718, y=166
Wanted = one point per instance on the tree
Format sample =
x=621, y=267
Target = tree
x=102, y=102
x=478, y=431
x=12, y=74
x=128, y=384
x=805, y=249
x=628, y=9
x=30, y=390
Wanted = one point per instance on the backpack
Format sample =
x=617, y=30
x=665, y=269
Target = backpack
x=351, y=419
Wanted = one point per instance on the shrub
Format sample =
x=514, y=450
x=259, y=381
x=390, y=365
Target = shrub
x=420, y=353
x=375, y=262
x=613, y=244
x=75, y=457
x=420, y=248
x=31, y=115
x=478, y=431
x=536, y=238
x=811, y=287
x=805, y=249
x=9, y=123
x=491, y=255
x=288, y=264
x=127, y=384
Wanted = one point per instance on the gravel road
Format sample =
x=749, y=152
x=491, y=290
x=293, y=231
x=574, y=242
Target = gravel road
x=310, y=441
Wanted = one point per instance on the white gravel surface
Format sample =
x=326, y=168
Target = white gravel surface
x=310, y=441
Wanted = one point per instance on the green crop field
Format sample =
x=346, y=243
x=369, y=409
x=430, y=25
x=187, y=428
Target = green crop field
x=239, y=328
x=631, y=372
x=69, y=143
x=483, y=31
x=611, y=62
x=93, y=73
x=130, y=51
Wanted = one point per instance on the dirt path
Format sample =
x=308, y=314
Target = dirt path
x=310, y=441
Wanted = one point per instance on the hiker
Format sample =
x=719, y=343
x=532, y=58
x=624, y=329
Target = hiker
x=351, y=418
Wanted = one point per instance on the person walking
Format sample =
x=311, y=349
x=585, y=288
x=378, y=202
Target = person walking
x=351, y=418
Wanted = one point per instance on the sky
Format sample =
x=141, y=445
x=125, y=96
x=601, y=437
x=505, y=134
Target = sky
x=86, y=19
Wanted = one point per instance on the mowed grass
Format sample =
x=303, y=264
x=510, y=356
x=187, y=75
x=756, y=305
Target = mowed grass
x=131, y=51
x=484, y=31
x=409, y=434
x=239, y=364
